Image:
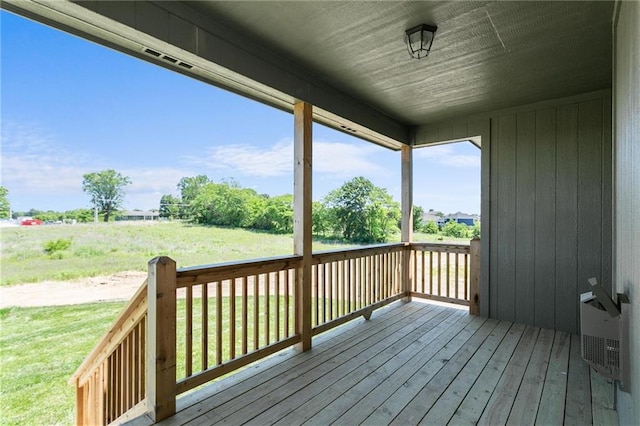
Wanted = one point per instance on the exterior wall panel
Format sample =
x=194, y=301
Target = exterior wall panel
x=627, y=188
x=546, y=206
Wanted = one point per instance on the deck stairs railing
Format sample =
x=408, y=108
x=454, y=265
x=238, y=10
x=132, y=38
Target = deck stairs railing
x=186, y=327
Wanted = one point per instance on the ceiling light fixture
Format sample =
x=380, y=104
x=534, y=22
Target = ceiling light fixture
x=419, y=40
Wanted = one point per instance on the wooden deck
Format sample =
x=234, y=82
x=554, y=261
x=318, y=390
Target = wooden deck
x=413, y=363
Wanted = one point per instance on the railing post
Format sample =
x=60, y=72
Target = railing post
x=407, y=220
x=80, y=403
x=302, y=235
x=474, y=277
x=161, y=338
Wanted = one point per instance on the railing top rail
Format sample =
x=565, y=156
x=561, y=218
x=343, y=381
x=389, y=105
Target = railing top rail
x=440, y=246
x=194, y=275
x=372, y=247
x=115, y=330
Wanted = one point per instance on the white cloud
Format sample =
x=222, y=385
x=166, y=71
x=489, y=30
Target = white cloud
x=334, y=158
x=446, y=155
x=249, y=160
x=345, y=160
x=34, y=164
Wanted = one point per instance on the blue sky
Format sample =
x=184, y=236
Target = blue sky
x=71, y=107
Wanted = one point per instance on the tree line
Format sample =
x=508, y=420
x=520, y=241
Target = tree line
x=358, y=211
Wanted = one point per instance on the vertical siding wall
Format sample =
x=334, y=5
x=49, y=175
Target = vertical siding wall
x=627, y=211
x=550, y=211
x=546, y=206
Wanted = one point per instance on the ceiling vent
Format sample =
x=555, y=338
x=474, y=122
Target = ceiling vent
x=348, y=129
x=167, y=58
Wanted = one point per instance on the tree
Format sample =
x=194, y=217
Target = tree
x=106, y=189
x=5, y=207
x=418, y=214
x=321, y=218
x=170, y=206
x=189, y=188
x=363, y=212
x=223, y=204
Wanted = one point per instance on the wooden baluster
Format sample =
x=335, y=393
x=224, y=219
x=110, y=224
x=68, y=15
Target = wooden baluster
x=232, y=318
x=245, y=315
x=316, y=292
x=277, y=308
x=456, y=274
x=474, y=277
x=188, y=335
x=256, y=313
x=267, y=316
x=219, y=322
x=331, y=291
x=430, y=272
x=287, y=332
x=204, y=338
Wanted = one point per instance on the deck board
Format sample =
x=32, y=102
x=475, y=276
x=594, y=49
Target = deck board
x=413, y=363
x=551, y=407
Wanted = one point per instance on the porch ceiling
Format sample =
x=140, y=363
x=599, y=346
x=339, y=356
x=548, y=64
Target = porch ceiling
x=487, y=55
x=349, y=60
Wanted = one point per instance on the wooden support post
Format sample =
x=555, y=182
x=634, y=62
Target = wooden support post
x=474, y=277
x=80, y=403
x=302, y=219
x=161, y=338
x=407, y=219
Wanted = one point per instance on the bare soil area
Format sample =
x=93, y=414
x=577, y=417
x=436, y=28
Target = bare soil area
x=108, y=288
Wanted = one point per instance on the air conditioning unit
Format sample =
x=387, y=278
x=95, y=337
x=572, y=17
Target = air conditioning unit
x=605, y=329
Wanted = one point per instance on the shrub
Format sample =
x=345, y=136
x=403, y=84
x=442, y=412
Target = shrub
x=53, y=246
x=430, y=227
x=456, y=230
x=475, y=231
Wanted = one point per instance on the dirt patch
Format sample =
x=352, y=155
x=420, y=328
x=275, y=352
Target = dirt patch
x=107, y=288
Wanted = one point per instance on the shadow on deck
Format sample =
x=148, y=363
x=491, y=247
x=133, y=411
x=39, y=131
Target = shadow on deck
x=413, y=363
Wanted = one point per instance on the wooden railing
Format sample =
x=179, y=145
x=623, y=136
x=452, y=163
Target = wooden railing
x=234, y=314
x=110, y=383
x=186, y=327
x=446, y=272
x=350, y=283
x=441, y=272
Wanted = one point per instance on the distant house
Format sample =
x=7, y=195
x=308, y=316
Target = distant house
x=431, y=216
x=138, y=215
x=458, y=217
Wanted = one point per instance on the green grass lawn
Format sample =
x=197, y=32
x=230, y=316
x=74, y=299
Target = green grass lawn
x=107, y=248
x=98, y=249
x=40, y=348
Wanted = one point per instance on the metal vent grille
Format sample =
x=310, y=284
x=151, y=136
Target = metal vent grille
x=167, y=58
x=603, y=353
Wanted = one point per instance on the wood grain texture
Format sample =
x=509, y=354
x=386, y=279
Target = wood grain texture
x=412, y=362
x=589, y=194
x=161, y=338
x=566, y=229
x=482, y=128
x=552, y=400
x=545, y=249
x=505, y=142
x=607, y=198
x=578, y=401
x=494, y=235
x=302, y=221
x=524, y=249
